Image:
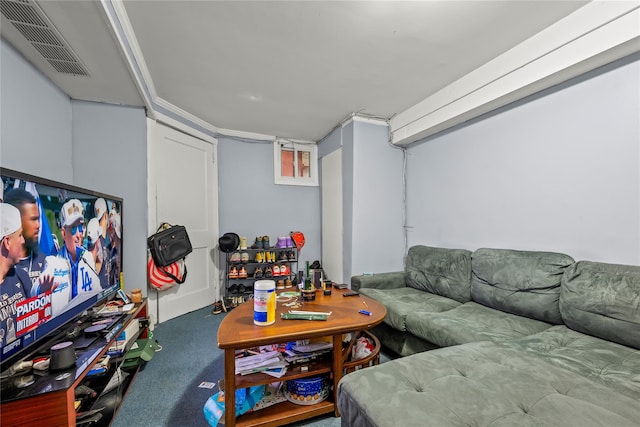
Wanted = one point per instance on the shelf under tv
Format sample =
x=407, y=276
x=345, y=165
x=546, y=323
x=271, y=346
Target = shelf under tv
x=50, y=399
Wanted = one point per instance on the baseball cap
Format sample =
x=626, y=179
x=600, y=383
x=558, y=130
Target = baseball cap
x=10, y=220
x=100, y=207
x=93, y=230
x=71, y=212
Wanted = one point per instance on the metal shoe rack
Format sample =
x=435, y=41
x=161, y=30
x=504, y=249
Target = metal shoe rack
x=243, y=286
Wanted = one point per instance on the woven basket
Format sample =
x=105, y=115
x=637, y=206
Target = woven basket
x=371, y=360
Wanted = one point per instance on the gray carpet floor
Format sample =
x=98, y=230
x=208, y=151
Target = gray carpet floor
x=166, y=392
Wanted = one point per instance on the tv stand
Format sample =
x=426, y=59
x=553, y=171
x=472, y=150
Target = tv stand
x=50, y=399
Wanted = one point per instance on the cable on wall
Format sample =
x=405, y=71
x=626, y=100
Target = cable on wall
x=405, y=226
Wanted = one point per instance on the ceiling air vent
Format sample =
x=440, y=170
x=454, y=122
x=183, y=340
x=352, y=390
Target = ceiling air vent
x=33, y=24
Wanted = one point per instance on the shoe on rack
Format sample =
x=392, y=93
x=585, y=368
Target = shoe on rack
x=258, y=273
x=282, y=257
x=267, y=256
x=233, y=273
x=285, y=270
x=217, y=307
x=244, y=257
x=242, y=273
x=291, y=255
x=288, y=283
x=235, y=257
x=243, y=243
x=258, y=243
x=265, y=242
x=259, y=257
x=280, y=284
x=276, y=270
x=268, y=272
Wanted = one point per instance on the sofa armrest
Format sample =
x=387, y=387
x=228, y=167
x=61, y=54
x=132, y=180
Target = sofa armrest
x=392, y=280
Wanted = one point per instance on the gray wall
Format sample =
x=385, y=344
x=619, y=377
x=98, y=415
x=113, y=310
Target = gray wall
x=559, y=171
x=378, y=242
x=35, y=120
x=372, y=197
x=96, y=146
x=110, y=155
x=348, y=156
x=251, y=205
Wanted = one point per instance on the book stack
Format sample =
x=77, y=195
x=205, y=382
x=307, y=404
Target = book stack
x=308, y=352
x=270, y=363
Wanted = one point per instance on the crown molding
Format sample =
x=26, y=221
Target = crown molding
x=594, y=35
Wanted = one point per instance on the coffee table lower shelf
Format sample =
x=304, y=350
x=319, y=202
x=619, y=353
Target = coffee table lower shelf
x=284, y=413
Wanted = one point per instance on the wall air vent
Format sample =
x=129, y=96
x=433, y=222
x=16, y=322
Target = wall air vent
x=33, y=24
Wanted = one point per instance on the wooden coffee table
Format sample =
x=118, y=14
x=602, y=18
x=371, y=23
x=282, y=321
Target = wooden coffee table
x=237, y=331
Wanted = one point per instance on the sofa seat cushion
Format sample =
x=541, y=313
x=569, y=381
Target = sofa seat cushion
x=525, y=283
x=478, y=384
x=602, y=361
x=400, y=302
x=440, y=271
x=603, y=300
x=399, y=342
x=471, y=322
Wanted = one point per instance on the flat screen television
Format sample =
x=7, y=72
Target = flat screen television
x=70, y=261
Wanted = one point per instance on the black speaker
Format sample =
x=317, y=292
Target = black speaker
x=63, y=356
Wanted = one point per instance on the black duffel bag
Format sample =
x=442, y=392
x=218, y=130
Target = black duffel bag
x=170, y=244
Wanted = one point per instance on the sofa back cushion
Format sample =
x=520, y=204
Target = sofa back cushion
x=440, y=271
x=603, y=300
x=526, y=283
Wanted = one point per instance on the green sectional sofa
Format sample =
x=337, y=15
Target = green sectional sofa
x=500, y=337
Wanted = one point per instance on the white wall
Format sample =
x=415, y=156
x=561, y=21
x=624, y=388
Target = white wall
x=559, y=171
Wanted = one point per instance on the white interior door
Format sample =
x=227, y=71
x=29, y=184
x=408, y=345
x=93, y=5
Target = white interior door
x=332, y=218
x=183, y=189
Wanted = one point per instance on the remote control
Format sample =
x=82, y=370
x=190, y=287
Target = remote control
x=350, y=294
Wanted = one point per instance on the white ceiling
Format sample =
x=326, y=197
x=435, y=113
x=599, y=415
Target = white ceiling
x=292, y=69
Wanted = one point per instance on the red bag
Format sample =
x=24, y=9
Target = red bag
x=164, y=278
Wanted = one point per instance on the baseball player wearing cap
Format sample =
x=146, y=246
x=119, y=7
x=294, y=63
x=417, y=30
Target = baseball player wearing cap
x=94, y=246
x=102, y=215
x=113, y=262
x=14, y=284
x=73, y=268
x=32, y=260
